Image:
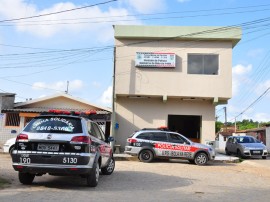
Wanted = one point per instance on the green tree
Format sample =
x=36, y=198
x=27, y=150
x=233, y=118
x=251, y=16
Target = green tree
x=219, y=125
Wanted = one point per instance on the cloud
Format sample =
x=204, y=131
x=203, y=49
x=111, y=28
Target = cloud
x=147, y=6
x=241, y=69
x=239, y=76
x=74, y=86
x=68, y=22
x=262, y=117
x=106, y=97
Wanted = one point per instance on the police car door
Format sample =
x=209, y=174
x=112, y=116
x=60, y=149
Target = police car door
x=180, y=147
x=161, y=144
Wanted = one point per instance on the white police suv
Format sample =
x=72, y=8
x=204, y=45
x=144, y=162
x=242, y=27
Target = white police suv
x=148, y=144
x=62, y=143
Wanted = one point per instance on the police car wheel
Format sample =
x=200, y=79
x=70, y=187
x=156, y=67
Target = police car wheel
x=93, y=176
x=201, y=159
x=146, y=156
x=109, y=168
x=26, y=178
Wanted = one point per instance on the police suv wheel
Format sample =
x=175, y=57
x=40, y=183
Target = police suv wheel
x=109, y=168
x=26, y=178
x=146, y=156
x=201, y=159
x=92, y=178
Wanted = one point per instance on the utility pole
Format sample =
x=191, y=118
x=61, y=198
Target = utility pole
x=225, y=112
x=113, y=100
x=235, y=124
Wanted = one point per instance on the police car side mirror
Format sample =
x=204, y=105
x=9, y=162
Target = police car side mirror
x=110, y=139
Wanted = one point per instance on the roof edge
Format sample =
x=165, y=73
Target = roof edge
x=225, y=33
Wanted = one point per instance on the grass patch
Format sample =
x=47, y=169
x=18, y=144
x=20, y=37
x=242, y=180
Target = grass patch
x=3, y=183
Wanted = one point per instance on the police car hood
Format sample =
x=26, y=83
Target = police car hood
x=203, y=146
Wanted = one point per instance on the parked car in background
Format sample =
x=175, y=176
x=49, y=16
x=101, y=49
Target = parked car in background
x=62, y=143
x=9, y=145
x=148, y=144
x=245, y=146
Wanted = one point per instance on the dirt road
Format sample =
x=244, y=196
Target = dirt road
x=158, y=181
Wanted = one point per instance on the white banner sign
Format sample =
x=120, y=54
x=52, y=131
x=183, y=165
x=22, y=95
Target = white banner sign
x=158, y=60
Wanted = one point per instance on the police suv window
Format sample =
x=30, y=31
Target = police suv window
x=98, y=132
x=55, y=124
x=144, y=136
x=162, y=137
x=176, y=138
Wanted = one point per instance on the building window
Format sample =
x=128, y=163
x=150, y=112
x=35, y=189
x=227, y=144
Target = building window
x=12, y=119
x=203, y=64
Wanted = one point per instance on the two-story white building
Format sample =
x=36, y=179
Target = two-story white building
x=172, y=76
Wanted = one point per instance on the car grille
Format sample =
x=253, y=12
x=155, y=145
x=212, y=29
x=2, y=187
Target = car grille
x=256, y=152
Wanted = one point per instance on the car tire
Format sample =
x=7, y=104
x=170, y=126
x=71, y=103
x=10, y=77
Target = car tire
x=239, y=154
x=11, y=149
x=146, y=156
x=201, y=159
x=26, y=178
x=107, y=170
x=93, y=177
x=264, y=157
x=227, y=152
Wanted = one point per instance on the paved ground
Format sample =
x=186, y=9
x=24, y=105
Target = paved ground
x=158, y=181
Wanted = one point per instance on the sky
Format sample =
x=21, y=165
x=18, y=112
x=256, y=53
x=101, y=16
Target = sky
x=44, y=51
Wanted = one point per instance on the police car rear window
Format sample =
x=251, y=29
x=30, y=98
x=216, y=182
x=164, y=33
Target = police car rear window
x=54, y=124
x=144, y=136
x=162, y=137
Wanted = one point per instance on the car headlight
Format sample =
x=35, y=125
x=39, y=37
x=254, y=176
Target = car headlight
x=246, y=149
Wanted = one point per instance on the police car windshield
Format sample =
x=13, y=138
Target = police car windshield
x=54, y=124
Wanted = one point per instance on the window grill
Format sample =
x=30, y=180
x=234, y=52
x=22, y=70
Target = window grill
x=12, y=119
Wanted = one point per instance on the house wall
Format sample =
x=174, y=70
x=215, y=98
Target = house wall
x=6, y=131
x=135, y=114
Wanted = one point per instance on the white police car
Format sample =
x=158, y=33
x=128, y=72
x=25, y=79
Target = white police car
x=148, y=144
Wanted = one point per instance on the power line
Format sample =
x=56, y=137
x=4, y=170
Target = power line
x=28, y=23
x=58, y=12
x=254, y=102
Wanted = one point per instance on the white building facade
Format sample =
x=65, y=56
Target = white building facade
x=172, y=76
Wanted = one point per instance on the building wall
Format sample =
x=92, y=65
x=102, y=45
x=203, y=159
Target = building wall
x=134, y=114
x=131, y=80
x=267, y=134
x=6, y=101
